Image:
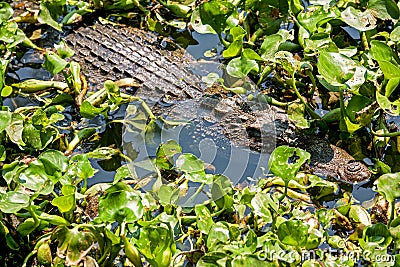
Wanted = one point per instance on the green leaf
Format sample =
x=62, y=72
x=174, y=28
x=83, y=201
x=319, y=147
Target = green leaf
x=216, y=13
x=389, y=69
x=286, y=161
x=219, y=233
x=388, y=106
x=36, y=179
x=66, y=203
x=189, y=163
x=6, y=11
x=316, y=17
x=335, y=68
x=380, y=51
x=120, y=204
x=262, y=204
x=53, y=63
x=168, y=195
x=388, y=185
x=165, y=152
x=13, y=201
x=362, y=21
x=53, y=161
x=384, y=9
x=241, y=66
x=46, y=18
x=87, y=110
x=73, y=243
x=156, y=243
x=6, y=91
x=204, y=220
x=5, y=120
x=235, y=47
x=63, y=50
x=359, y=215
x=293, y=233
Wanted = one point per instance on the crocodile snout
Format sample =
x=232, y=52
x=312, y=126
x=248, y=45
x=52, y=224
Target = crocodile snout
x=354, y=171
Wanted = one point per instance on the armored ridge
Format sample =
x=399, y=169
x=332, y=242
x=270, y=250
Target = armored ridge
x=111, y=52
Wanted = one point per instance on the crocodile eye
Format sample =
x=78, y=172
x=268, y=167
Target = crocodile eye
x=354, y=171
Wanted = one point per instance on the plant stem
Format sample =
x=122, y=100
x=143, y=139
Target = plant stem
x=34, y=216
x=308, y=108
x=394, y=134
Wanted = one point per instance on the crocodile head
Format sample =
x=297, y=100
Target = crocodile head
x=354, y=171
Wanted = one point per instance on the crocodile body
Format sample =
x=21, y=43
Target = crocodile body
x=107, y=52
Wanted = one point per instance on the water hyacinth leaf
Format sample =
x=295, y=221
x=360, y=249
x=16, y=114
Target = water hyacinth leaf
x=165, y=152
x=73, y=244
x=204, y=220
x=36, y=179
x=31, y=136
x=362, y=21
x=384, y=9
x=391, y=86
x=388, y=185
x=63, y=50
x=241, y=66
x=355, y=105
x=293, y=233
x=13, y=201
x=222, y=191
x=251, y=54
x=189, y=163
x=380, y=51
x=262, y=204
x=66, y=202
x=389, y=107
x=15, y=128
x=198, y=25
x=235, y=47
x=249, y=261
x=33, y=85
x=5, y=233
x=168, y=195
x=87, y=110
x=6, y=11
x=3, y=153
x=395, y=35
x=286, y=161
x=315, y=17
x=296, y=113
x=270, y=46
x=53, y=161
x=120, y=204
x=219, y=233
x=5, y=120
x=376, y=233
x=216, y=13
x=321, y=187
x=359, y=215
x=45, y=15
x=389, y=69
x=335, y=68
x=53, y=63
x=358, y=79
x=156, y=243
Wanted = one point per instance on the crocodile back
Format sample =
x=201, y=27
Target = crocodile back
x=108, y=52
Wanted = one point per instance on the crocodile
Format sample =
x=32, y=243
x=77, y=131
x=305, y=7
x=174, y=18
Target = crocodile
x=114, y=52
